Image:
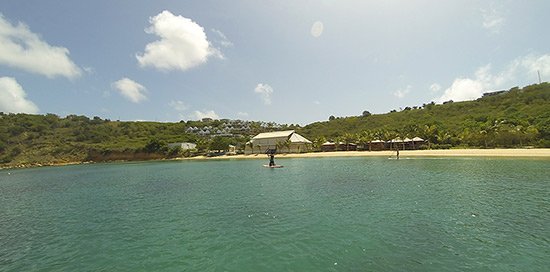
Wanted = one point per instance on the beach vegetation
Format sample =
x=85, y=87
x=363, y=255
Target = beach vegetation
x=517, y=118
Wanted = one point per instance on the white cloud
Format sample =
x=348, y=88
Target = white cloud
x=317, y=29
x=492, y=20
x=523, y=69
x=224, y=41
x=130, y=90
x=208, y=114
x=182, y=45
x=243, y=114
x=532, y=64
x=434, y=88
x=462, y=89
x=178, y=105
x=20, y=48
x=402, y=92
x=13, y=98
x=265, y=91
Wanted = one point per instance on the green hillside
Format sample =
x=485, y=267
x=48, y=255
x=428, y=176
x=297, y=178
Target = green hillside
x=47, y=139
x=514, y=118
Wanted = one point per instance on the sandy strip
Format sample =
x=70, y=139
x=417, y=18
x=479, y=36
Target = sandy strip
x=533, y=153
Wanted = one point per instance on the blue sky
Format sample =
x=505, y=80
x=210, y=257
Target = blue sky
x=283, y=61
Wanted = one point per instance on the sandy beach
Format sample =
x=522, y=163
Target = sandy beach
x=528, y=153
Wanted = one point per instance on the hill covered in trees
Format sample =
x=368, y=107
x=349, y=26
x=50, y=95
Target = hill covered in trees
x=48, y=139
x=516, y=118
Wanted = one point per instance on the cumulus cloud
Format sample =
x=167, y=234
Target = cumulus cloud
x=22, y=49
x=402, y=92
x=317, y=29
x=265, y=91
x=182, y=45
x=130, y=90
x=13, y=98
x=207, y=114
x=523, y=69
x=492, y=20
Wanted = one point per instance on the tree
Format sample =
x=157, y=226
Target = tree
x=366, y=113
x=366, y=136
x=348, y=138
x=280, y=145
x=251, y=145
x=219, y=143
x=288, y=143
x=154, y=146
x=429, y=133
x=318, y=142
x=331, y=118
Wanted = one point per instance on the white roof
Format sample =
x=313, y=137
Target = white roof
x=274, y=134
x=418, y=139
x=297, y=138
x=289, y=134
x=377, y=141
x=328, y=143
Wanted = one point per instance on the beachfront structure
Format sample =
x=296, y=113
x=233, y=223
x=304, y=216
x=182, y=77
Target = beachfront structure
x=407, y=143
x=287, y=141
x=328, y=146
x=183, y=146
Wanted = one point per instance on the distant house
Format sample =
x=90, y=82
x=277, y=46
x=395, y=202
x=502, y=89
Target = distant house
x=376, y=145
x=347, y=147
x=183, y=146
x=414, y=143
x=328, y=146
x=406, y=143
x=287, y=141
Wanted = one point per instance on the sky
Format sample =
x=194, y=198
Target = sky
x=286, y=61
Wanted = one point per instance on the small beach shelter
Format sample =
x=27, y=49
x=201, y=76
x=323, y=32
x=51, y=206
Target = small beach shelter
x=328, y=146
x=376, y=145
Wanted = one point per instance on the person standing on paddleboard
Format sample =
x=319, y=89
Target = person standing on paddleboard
x=271, y=160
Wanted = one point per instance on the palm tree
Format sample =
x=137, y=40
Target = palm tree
x=251, y=145
x=367, y=137
x=428, y=132
x=411, y=131
x=318, y=142
x=280, y=145
x=259, y=148
x=348, y=138
x=287, y=143
x=389, y=135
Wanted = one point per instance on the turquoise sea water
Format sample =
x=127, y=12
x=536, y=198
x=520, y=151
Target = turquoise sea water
x=323, y=214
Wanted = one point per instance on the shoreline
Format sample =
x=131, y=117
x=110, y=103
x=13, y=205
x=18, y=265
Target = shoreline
x=512, y=153
x=500, y=153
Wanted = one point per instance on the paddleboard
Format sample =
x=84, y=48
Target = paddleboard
x=274, y=166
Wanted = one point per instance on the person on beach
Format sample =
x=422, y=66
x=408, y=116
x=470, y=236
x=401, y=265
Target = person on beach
x=397, y=149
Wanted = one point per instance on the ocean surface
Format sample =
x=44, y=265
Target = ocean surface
x=317, y=214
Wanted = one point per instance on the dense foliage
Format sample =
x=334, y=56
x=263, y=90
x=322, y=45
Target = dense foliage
x=514, y=118
x=46, y=139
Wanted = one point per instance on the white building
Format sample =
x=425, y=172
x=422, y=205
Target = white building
x=183, y=146
x=283, y=141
